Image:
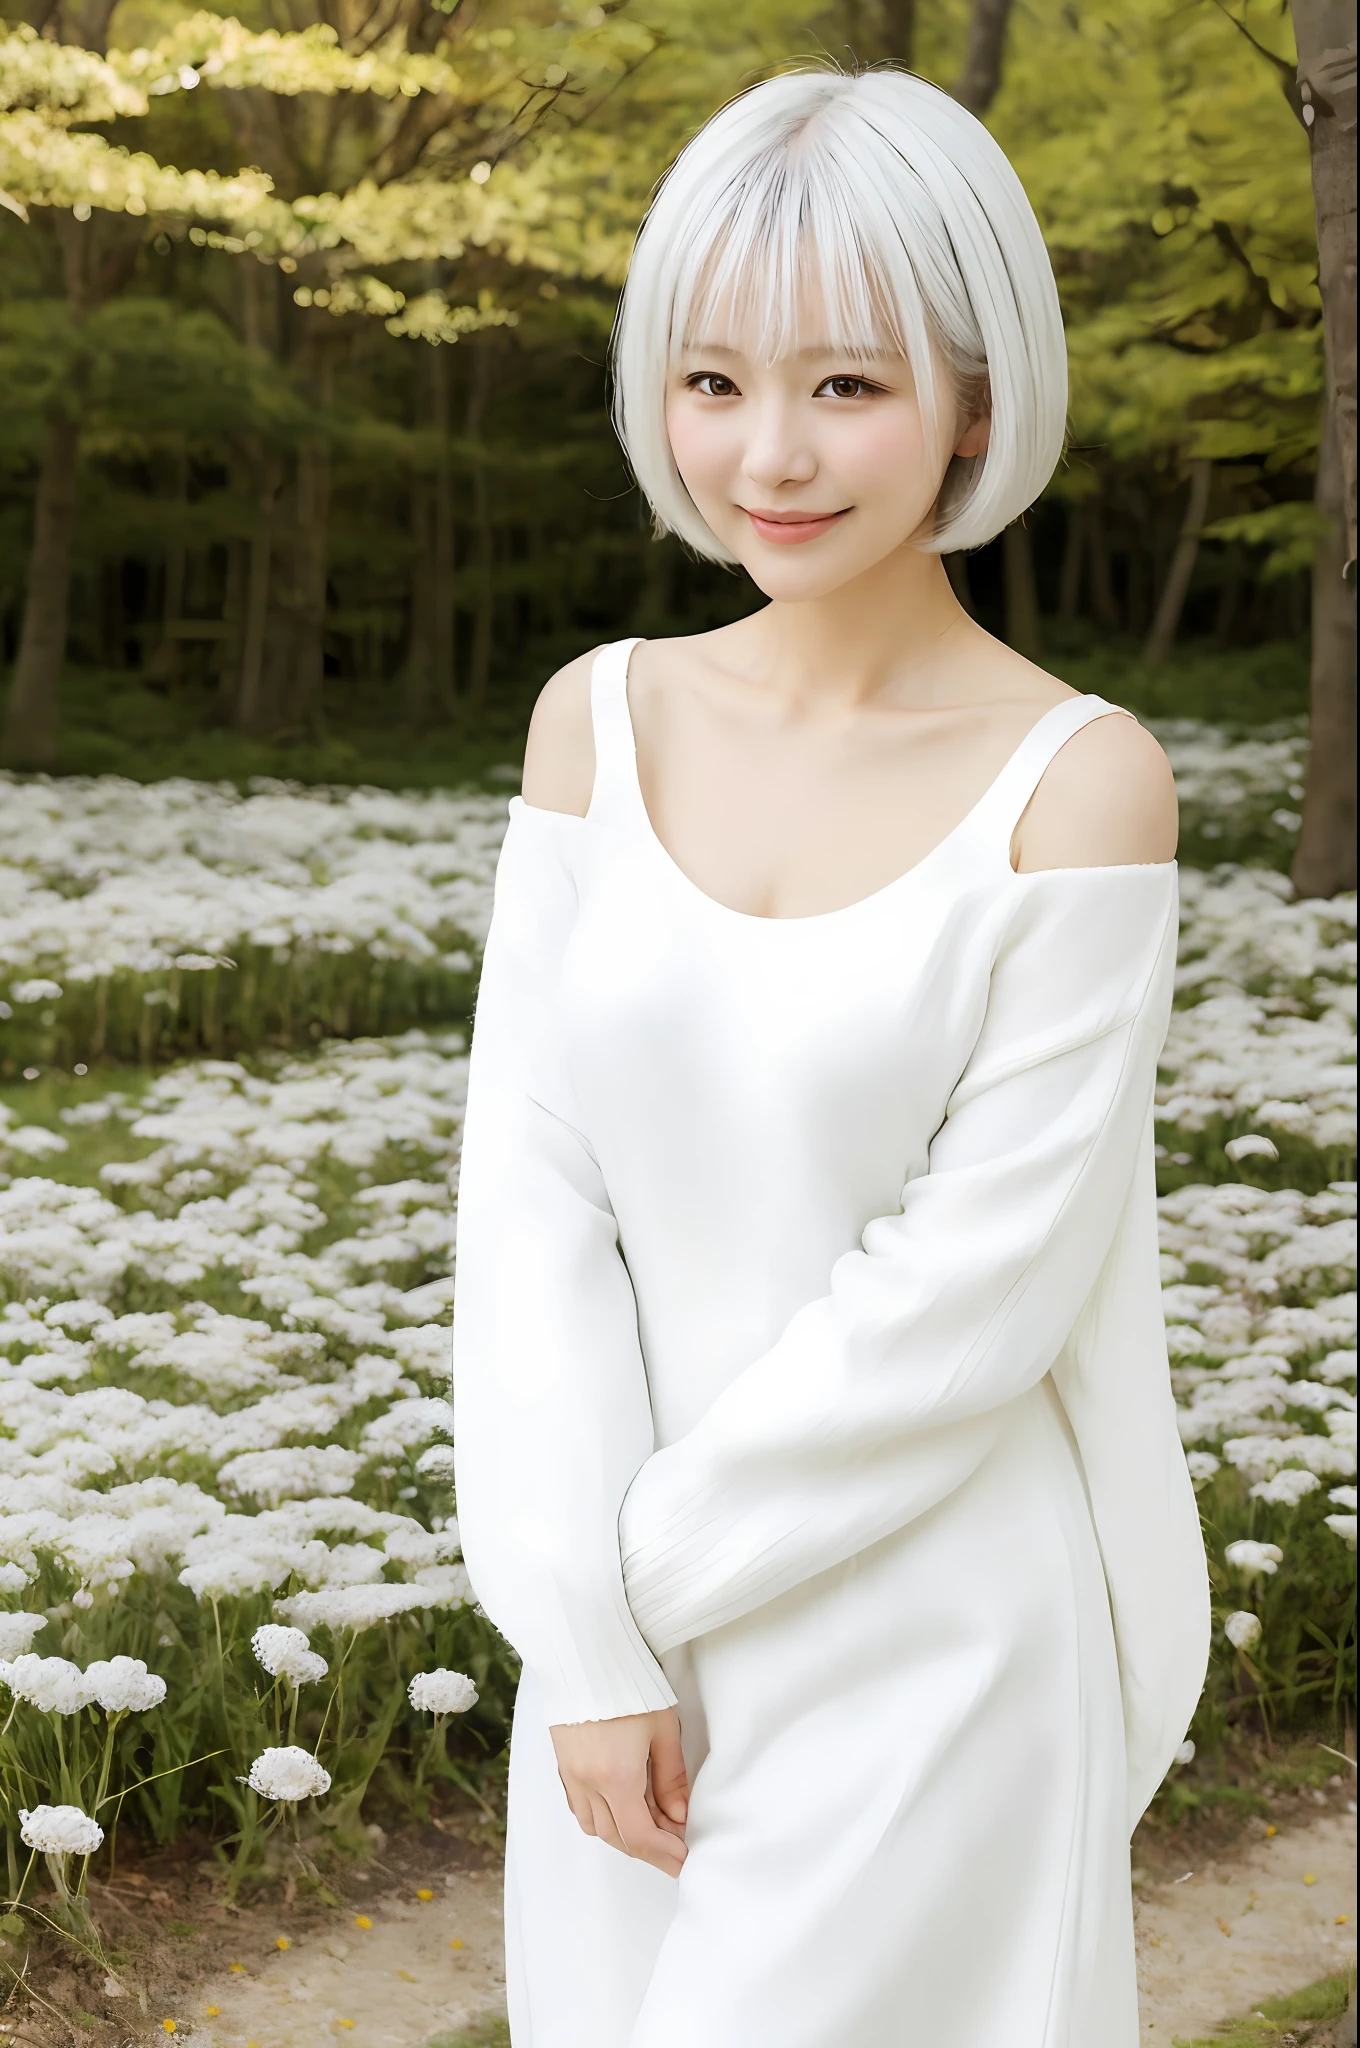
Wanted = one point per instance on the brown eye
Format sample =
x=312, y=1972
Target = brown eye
x=712, y=384
x=846, y=387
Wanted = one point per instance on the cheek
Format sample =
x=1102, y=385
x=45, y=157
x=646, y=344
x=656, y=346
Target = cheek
x=881, y=450
x=702, y=443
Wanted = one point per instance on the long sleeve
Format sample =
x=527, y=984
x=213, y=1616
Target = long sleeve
x=551, y=1413
x=884, y=1394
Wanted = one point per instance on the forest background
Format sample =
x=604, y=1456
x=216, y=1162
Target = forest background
x=304, y=458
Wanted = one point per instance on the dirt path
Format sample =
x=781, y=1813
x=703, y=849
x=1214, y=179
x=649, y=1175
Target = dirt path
x=414, y=1965
x=1275, y=1914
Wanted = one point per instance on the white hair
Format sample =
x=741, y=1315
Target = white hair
x=879, y=202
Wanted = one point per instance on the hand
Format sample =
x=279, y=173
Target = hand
x=625, y=1782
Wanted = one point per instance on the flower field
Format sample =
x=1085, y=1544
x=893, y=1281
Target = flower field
x=231, y=1595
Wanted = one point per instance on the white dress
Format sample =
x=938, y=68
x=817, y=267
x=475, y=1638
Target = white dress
x=809, y=1373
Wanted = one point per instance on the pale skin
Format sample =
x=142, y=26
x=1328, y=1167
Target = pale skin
x=806, y=756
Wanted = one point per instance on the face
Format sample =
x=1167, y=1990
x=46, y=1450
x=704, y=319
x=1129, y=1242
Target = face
x=812, y=469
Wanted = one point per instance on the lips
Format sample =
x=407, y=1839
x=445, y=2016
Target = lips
x=787, y=529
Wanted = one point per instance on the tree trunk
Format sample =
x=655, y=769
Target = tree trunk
x=1069, y=579
x=484, y=602
x=980, y=80
x=420, y=640
x=443, y=592
x=1324, y=31
x=250, y=713
x=31, y=715
x=307, y=695
x=1022, y=591
x=898, y=31
x=1162, y=634
x=1324, y=863
x=1104, y=604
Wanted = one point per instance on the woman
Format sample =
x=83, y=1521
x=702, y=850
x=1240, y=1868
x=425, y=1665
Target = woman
x=814, y=1441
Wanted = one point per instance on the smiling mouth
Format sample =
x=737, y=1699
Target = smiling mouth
x=786, y=529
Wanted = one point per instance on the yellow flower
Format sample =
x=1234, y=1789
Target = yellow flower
x=236, y=1968
x=1310, y=1877
x=1342, y=1918
x=455, y=1943
x=362, y=1920
x=348, y=2025
x=171, y=2026
x=212, y=2012
x=425, y=1895
x=282, y=1941
x=1272, y=1829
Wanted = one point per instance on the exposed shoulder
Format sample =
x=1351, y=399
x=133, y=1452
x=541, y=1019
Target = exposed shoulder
x=1108, y=799
x=559, y=756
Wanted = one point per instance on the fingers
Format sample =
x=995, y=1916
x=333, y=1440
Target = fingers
x=639, y=1834
x=668, y=1778
x=619, y=1815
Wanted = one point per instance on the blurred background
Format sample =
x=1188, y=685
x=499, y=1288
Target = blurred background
x=305, y=468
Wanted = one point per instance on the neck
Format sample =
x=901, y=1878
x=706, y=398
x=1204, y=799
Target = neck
x=879, y=632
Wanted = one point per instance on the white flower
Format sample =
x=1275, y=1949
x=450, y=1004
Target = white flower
x=51, y=1684
x=286, y=1653
x=1252, y=1146
x=1185, y=1753
x=1242, y=1630
x=436, y=1463
x=1344, y=1496
x=354, y=1607
x=1203, y=1464
x=36, y=991
x=1251, y=1558
x=1287, y=1488
x=442, y=1692
x=59, y=1830
x=13, y=1578
x=1342, y=1526
x=123, y=1685
x=17, y=1632
x=288, y=1773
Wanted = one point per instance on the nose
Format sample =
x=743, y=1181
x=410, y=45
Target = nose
x=777, y=450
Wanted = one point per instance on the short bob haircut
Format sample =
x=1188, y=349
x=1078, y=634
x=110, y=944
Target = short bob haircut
x=878, y=201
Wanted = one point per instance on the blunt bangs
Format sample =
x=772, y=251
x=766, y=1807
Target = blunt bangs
x=869, y=215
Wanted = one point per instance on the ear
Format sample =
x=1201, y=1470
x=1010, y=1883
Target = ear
x=974, y=439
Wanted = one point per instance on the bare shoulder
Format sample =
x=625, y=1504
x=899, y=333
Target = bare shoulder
x=1108, y=799
x=559, y=756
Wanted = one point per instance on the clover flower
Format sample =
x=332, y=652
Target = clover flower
x=59, y=1830
x=436, y=1463
x=123, y=1685
x=1242, y=1630
x=52, y=1684
x=1287, y=1488
x=442, y=1692
x=17, y=1632
x=1253, y=1559
x=286, y=1653
x=288, y=1774
x=1251, y=1146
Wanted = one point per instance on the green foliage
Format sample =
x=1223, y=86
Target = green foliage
x=278, y=214
x=1276, y=2021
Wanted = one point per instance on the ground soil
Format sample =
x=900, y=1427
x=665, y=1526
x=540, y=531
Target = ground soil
x=405, y=1951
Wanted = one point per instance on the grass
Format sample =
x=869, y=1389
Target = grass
x=488, y=2033
x=1277, y=2022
